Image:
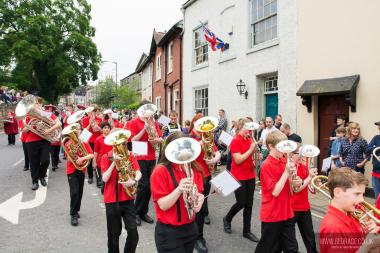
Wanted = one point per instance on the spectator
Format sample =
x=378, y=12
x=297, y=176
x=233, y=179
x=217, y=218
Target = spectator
x=285, y=129
x=185, y=129
x=278, y=121
x=269, y=128
x=172, y=126
x=336, y=146
x=340, y=121
x=354, y=148
x=375, y=143
x=259, y=131
x=222, y=126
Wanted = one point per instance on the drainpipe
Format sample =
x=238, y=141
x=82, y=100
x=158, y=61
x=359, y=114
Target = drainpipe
x=180, y=69
x=165, y=83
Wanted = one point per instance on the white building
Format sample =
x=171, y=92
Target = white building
x=262, y=38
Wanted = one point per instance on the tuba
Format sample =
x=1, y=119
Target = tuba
x=183, y=151
x=117, y=140
x=38, y=123
x=288, y=147
x=374, y=153
x=147, y=111
x=362, y=211
x=75, y=148
x=75, y=117
x=206, y=126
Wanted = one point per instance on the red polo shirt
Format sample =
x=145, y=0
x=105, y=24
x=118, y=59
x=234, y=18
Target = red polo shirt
x=109, y=186
x=161, y=184
x=66, y=114
x=101, y=148
x=245, y=170
x=201, y=162
x=95, y=135
x=278, y=208
x=300, y=200
x=340, y=232
x=135, y=126
x=23, y=135
x=70, y=168
x=32, y=137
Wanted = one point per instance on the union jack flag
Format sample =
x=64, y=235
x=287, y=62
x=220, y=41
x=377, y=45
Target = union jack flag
x=214, y=41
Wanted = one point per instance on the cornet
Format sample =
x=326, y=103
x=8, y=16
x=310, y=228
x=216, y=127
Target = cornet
x=309, y=151
x=288, y=147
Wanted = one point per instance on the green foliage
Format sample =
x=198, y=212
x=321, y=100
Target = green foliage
x=46, y=46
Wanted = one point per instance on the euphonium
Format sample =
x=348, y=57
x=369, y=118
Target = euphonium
x=117, y=140
x=288, y=147
x=147, y=111
x=252, y=126
x=309, y=151
x=362, y=211
x=73, y=146
x=183, y=151
x=37, y=124
x=374, y=153
x=206, y=126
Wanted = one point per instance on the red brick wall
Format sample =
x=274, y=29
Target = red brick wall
x=158, y=85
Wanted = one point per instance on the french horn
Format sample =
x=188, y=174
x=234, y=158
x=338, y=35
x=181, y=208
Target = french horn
x=183, y=151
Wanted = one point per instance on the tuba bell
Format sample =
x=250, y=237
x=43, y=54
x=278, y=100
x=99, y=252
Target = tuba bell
x=38, y=123
x=117, y=140
x=206, y=126
x=183, y=151
x=73, y=146
x=147, y=111
x=309, y=151
x=76, y=116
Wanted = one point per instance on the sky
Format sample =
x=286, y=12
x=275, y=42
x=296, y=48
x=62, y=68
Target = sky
x=124, y=30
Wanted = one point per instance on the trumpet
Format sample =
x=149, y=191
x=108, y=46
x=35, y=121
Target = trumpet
x=252, y=126
x=288, y=147
x=363, y=211
x=374, y=153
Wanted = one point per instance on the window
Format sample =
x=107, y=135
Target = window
x=263, y=21
x=170, y=64
x=169, y=106
x=201, y=100
x=176, y=100
x=158, y=67
x=270, y=85
x=200, y=47
x=158, y=103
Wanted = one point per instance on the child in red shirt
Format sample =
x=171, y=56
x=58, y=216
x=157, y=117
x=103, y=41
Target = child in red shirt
x=100, y=148
x=339, y=231
x=175, y=230
x=119, y=205
x=276, y=214
x=76, y=176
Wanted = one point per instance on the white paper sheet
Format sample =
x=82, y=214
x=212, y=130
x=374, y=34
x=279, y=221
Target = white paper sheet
x=326, y=164
x=163, y=120
x=226, y=138
x=85, y=135
x=225, y=183
x=139, y=148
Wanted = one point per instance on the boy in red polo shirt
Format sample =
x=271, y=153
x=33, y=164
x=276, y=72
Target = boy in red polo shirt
x=276, y=214
x=76, y=177
x=339, y=231
x=119, y=205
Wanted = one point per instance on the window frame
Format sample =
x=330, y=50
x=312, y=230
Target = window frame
x=271, y=79
x=203, y=44
x=204, y=100
x=158, y=103
x=171, y=57
x=158, y=67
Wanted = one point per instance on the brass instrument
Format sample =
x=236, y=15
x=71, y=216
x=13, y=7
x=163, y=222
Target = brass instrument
x=75, y=117
x=374, y=153
x=38, y=123
x=362, y=211
x=183, y=151
x=75, y=148
x=117, y=140
x=206, y=126
x=288, y=147
x=309, y=151
x=147, y=111
x=252, y=126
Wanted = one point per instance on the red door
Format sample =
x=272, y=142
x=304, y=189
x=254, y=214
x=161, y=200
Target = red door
x=329, y=107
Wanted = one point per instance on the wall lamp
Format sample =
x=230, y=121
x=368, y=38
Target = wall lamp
x=241, y=88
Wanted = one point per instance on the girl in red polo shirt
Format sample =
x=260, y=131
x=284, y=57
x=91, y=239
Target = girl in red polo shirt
x=119, y=205
x=175, y=232
x=243, y=169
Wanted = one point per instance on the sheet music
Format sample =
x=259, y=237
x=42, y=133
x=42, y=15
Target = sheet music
x=226, y=138
x=163, y=120
x=139, y=148
x=326, y=164
x=85, y=135
x=225, y=183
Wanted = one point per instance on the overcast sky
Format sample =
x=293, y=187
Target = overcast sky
x=124, y=30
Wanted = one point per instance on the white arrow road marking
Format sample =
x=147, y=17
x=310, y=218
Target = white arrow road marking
x=10, y=209
x=18, y=162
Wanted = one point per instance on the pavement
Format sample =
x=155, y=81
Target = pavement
x=43, y=223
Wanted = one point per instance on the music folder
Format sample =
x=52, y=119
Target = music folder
x=225, y=183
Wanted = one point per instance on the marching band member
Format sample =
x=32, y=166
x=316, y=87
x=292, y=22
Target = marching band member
x=92, y=124
x=339, y=231
x=243, y=169
x=140, y=127
x=108, y=116
x=23, y=139
x=76, y=177
x=176, y=230
x=55, y=147
x=11, y=128
x=67, y=114
x=276, y=214
x=172, y=125
x=119, y=205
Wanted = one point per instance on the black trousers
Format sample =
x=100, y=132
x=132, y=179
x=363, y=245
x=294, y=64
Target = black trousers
x=54, y=154
x=26, y=157
x=76, y=182
x=11, y=138
x=175, y=239
x=90, y=170
x=278, y=237
x=305, y=225
x=143, y=189
x=200, y=216
x=115, y=212
x=244, y=199
x=38, y=153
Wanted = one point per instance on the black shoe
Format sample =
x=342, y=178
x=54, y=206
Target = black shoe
x=251, y=237
x=227, y=226
x=98, y=183
x=59, y=161
x=146, y=218
x=26, y=168
x=200, y=246
x=74, y=220
x=207, y=220
x=138, y=220
x=43, y=182
x=77, y=215
x=35, y=186
x=54, y=168
x=90, y=180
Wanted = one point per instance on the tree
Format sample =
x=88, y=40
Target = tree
x=46, y=46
